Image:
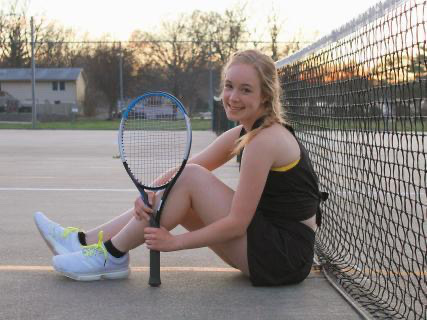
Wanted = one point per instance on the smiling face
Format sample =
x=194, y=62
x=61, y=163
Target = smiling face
x=242, y=97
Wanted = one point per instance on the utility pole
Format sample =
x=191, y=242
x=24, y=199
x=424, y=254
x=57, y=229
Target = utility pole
x=211, y=95
x=33, y=76
x=121, y=76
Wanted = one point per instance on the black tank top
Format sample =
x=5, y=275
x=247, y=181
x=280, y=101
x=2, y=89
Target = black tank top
x=293, y=194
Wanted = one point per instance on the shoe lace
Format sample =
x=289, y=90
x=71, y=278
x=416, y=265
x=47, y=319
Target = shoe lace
x=69, y=230
x=93, y=249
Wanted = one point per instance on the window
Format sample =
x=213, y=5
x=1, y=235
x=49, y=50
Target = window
x=58, y=85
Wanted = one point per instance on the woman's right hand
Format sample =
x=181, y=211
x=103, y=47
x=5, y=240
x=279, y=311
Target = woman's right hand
x=141, y=210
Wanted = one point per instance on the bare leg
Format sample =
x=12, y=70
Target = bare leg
x=197, y=199
x=193, y=222
x=110, y=228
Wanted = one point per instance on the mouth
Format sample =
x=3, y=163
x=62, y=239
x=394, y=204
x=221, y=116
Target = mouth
x=234, y=108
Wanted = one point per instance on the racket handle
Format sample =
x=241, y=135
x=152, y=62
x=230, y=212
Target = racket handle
x=154, y=280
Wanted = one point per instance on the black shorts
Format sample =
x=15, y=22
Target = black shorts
x=279, y=255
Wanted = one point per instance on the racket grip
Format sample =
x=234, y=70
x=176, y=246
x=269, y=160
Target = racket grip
x=154, y=280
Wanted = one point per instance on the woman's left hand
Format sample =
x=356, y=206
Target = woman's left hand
x=160, y=239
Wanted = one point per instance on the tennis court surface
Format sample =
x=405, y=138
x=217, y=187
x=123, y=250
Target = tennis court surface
x=76, y=178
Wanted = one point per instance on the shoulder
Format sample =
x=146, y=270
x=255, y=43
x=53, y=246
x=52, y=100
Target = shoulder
x=269, y=137
x=263, y=143
x=275, y=143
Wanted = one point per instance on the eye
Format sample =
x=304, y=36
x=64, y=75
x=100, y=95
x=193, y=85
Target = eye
x=246, y=90
x=228, y=86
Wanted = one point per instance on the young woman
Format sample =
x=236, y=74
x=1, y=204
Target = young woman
x=265, y=228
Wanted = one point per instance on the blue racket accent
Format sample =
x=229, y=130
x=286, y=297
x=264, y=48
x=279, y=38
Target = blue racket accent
x=132, y=105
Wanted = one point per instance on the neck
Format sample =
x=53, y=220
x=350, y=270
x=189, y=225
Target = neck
x=248, y=125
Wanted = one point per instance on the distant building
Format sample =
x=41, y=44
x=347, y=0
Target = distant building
x=54, y=86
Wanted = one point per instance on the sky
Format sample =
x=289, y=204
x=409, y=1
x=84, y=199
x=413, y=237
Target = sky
x=120, y=18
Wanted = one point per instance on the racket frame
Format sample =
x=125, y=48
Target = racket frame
x=154, y=279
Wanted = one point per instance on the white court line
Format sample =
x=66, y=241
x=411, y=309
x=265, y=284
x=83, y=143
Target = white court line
x=29, y=177
x=68, y=189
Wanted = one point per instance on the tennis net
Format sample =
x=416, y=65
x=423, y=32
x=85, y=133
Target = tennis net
x=358, y=100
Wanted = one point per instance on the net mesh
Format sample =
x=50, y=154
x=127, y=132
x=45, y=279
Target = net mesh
x=358, y=101
x=154, y=139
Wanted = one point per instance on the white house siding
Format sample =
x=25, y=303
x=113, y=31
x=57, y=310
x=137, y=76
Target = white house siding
x=44, y=92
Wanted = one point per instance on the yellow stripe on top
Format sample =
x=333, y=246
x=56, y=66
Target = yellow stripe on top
x=287, y=167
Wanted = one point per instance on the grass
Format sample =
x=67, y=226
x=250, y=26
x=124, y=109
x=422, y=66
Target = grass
x=84, y=124
x=420, y=125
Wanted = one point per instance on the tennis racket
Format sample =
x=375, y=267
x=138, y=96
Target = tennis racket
x=154, y=138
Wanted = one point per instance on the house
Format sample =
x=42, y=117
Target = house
x=53, y=86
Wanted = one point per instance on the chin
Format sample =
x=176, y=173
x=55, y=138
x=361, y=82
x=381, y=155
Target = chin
x=231, y=118
x=234, y=116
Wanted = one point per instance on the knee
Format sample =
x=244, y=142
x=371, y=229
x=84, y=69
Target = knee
x=192, y=172
x=193, y=169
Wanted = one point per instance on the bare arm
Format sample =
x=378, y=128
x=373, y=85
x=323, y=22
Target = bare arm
x=254, y=171
x=219, y=151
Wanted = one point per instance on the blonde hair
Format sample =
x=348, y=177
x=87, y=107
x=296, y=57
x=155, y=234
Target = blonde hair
x=270, y=91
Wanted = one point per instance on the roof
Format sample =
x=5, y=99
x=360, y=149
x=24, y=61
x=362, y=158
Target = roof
x=42, y=74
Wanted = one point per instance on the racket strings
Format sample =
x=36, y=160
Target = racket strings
x=155, y=138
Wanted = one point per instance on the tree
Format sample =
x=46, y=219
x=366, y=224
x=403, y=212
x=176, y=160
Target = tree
x=186, y=50
x=102, y=69
x=228, y=31
x=14, y=37
x=418, y=64
x=182, y=57
x=275, y=27
x=57, y=49
x=172, y=60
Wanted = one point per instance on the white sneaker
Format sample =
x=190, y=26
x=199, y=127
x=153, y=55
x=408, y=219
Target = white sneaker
x=60, y=240
x=92, y=263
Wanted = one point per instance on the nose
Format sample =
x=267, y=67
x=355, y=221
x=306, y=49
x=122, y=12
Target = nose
x=234, y=95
